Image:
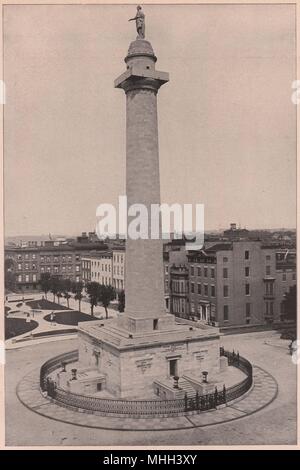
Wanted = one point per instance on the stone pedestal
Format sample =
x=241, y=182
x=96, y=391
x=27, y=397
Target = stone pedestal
x=223, y=363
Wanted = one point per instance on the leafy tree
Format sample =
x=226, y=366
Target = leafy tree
x=66, y=288
x=10, y=276
x=77, y=290
x=106, y=295
x=55, y=287
x=290, y=304
x=93, y=292
x=45, y=283
x=79, y=297
x=121, y=304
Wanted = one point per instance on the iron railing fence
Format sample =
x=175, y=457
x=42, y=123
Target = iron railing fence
x=144, y=407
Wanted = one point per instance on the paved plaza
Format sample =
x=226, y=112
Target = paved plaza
x=275, y=423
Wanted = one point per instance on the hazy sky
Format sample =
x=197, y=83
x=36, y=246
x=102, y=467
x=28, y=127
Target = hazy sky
x=227, y=126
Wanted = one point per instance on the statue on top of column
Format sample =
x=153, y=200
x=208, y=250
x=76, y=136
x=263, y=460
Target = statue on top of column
x=140, y=22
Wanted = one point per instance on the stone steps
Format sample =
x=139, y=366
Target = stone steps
x=187, y=387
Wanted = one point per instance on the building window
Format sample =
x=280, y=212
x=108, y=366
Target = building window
x=247, y=271
x=77, y=268
x=192, y=287
x=247, y=289
x=26, y=266
x=19, y=256
x=27, y=278
x=155, y=324
x=205, y=272
x=192, y=271
x=271, y=308
x=42, y=269
x=33, y=267
x=225, y=313
x=19, y=267
x=247, y=254
x=205, y=290
x=212, y=273
x=33, y=256
x=267, y=308
x=199, y=271
x=225, y=259
x=212, y=291
x=284, y=277
x=42, y=259
x=56, y=269
x=268, y=270
x=20, y=278
x=77, y=258
x=294, y=277
x=268, y=257
x=269, y=288
x=248, y=310
x=192, y=307
x=225, y=273
x=166, y=269
x=199, y=288
x=34, y=278
x=225, y=291
x=27, y=256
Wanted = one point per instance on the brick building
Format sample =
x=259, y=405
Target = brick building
x=59, y=259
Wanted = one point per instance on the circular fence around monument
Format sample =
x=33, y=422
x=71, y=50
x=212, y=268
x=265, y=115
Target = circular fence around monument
x=153, y=407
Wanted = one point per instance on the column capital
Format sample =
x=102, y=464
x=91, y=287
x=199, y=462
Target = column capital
x=136, y=78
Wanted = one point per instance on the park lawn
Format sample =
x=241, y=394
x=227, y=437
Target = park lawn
x=70, y=317
x=18, y=326
x=44, y=304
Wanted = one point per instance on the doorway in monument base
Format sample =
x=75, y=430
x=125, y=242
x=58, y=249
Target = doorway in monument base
x=173, y=367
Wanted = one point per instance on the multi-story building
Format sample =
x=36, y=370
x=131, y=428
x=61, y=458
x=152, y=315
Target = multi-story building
x=285, y=276
x=118, y=268
x=101, y=268
x=59, y=259
x=86, y=269
x=237, y=283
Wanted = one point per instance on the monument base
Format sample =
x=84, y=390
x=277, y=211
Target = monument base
x=132, y=359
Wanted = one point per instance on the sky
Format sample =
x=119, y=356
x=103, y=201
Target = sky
x=227, y=125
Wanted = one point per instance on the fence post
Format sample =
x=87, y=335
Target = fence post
x=224, y=393
x=216, y=397
x=185, y=402
x=197, y=400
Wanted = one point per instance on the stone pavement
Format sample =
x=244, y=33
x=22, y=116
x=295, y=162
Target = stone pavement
x=263, y=392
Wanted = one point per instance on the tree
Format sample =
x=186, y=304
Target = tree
x=78, y=297
x=290, y=304
x=66, y=287
x=106, y=295
x=121, y=304
x=10, y=276
x=93, y=292
x=77, y=290
x=45, y=283
x=54, y=286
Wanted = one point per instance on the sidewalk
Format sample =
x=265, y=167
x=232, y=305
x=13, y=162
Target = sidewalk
x=263, y=392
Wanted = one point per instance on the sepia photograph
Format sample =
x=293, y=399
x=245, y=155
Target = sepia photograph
x=149, y=229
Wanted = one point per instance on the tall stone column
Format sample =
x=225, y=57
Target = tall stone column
x=144, y=257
